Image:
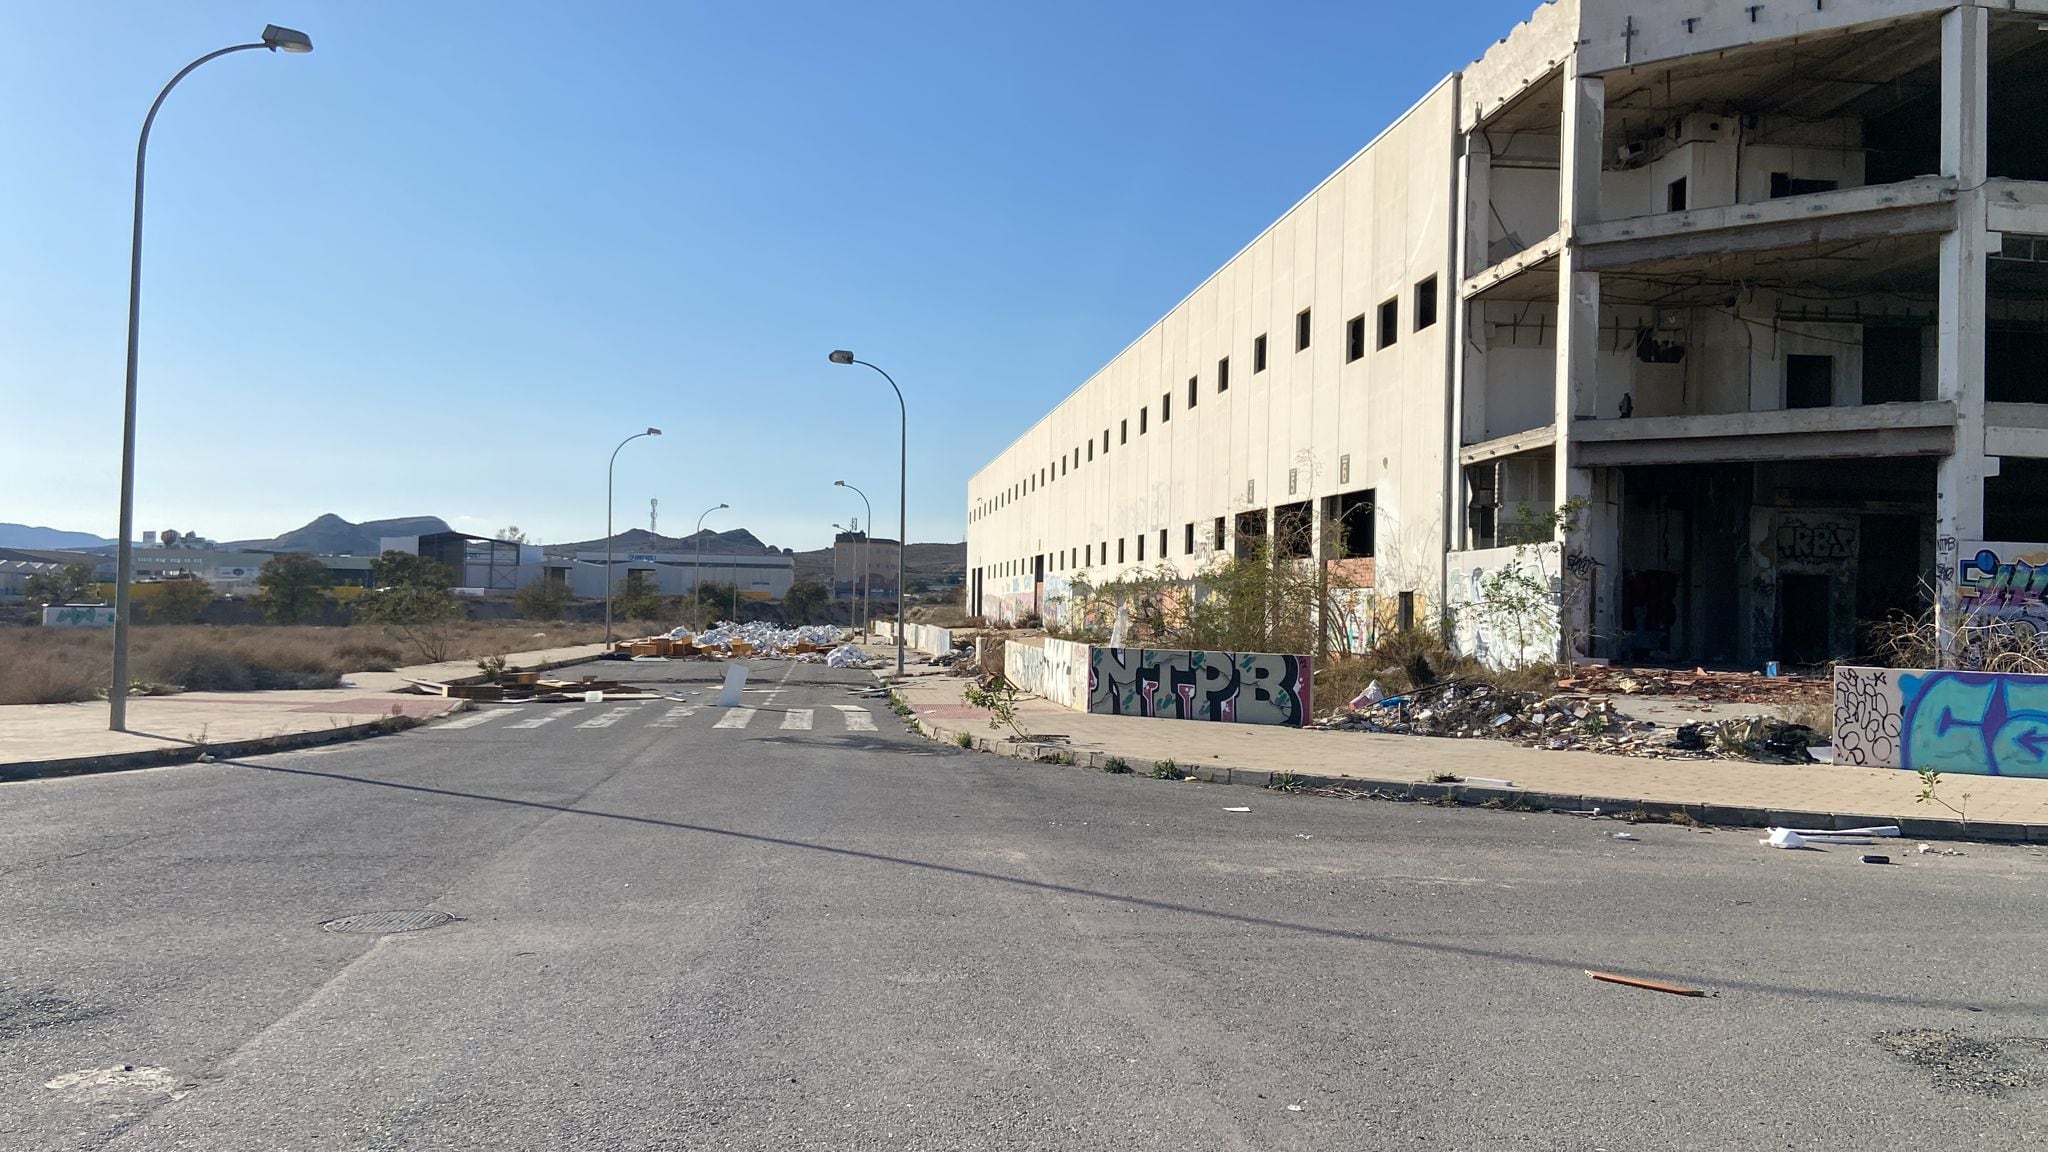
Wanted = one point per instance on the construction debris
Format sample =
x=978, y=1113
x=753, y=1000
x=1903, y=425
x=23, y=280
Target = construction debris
x=727, y=640
x=1572, y=720
x=1639, y=982
x=1698, y=684
x=524, y=687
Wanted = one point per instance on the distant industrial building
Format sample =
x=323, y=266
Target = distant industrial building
x=854, y=551
x=758, y=577
x=1757, y=294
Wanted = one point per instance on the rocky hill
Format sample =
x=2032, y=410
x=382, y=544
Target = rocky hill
x=733, y=542
x=330, y=535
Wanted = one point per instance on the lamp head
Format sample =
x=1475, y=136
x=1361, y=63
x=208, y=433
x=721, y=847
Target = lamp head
x=839, y=483
x=842, y=356
x=286, y=39
x=725, y=505
x=654, y=432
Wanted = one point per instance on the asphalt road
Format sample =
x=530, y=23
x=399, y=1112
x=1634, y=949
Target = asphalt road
x=805, y=935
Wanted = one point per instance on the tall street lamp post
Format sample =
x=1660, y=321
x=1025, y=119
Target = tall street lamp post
x=842, y=356
x=276, y=39
x=608, y=469
x=862, y=548
x=697, y=570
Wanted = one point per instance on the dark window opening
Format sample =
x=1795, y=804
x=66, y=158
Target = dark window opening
x=1141, y=547
x=1404, y=611
x=1258, y=354
x=1088, y=554
x=1119, y=549
x=1091, y=446
x=1194, y=393
x=1805, y=608
x=1301, y=330
x=1251, y=531
x=1123, y=431
x=2016, y=500
x=1891, y=364
x=1188, y=541
x=1165, y=407
x=1294, y=531
x=1425, y=303
x=1785, y=184
x=1348, y=524
x=1674, y=195
x=2013, y=359
x=1390, y=322
x=1162, y=543
x=1219, y=534
x=1223, y=374
x=1143, y=413
x=1809, y=381
x=1354, y=338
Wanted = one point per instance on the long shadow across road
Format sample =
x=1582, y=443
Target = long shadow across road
x=1380, y=938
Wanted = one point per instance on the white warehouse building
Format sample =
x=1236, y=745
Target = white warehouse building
x=1756, y=295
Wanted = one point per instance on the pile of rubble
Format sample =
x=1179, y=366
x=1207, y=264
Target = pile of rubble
x=1458, y=708
x=532, y=687
x=1698, y=684
x=727, y=640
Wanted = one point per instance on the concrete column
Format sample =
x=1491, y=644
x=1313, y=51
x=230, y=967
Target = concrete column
x=1959, y=353
x=1467, y=334
x=1578, y=331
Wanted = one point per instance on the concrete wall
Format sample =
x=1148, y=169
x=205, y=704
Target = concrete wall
x=1497, y=638
x=1056, y=670
x=925, y=638
x=1178, y=684
x=1973, y=723
x=1314, y=423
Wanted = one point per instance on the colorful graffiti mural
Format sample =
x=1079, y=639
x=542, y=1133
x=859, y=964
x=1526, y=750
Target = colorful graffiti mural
x=78, y=616
x=2000, y=578
x=1976, y=723
x=1180, y=684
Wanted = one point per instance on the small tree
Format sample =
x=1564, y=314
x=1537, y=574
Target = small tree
x=294, y=587
x=60, y=587
x=804, y=598
x=707, y=603
x=511, y=534
x=179, y=600
x=542, y=600
x=420, y=618
x=639, y=602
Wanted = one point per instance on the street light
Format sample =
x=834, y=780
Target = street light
x=276, y=39
x=608, y=468
x=697, y=571
x=862, y=551
x=842, y=356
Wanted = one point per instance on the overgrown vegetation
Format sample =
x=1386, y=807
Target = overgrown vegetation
x=69, y=583
x=542, y=600
x=1117, y=766
x=999, y=696
x=1930, y=793
x=413, y=604
x=1165, y=770
x=1286, y=782
x=293, y=586
x=1981, y=643
x=1248, y=602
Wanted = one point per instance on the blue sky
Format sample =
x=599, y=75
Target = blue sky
x=444, y=263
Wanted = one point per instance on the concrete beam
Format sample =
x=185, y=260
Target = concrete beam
x=1763, y=237
x=2016, y=206
x=1850, y=445
x=1534, y=261
x=1777, y=422
x=1513, y=444
x=1840, y=202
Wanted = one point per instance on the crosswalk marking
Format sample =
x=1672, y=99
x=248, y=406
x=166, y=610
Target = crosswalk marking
x=549, y=718
x=607, y=719
x=675, y=715
x=797, y=720
x=475, y=718
x=857, y=719
x=735, y=718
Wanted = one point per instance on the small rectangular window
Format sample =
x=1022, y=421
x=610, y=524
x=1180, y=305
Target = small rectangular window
x=1301, y=330
x=1123, y=431
x=1425, y=303
x=1188, y=541
x=1390, y=322
x=1119, y=549
x=1258, y=354
x=1354, y=338
x=1809, y=381
x=1088, y=554
x=1162, y=543
x=1223, y=374
x=1194, y=393
x=1141, y=547
x=1674, y=195
x=1142, y=414
x=1165, y=407
x=1091, y=446
x=1105, y=551
x=1219, y=534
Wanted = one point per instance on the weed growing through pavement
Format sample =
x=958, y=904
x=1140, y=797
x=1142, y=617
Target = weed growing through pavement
x=1286, y=782
x=999, y=696
x=1117, y=766
x=1930, y=792
x=1446, y=778
x=1165, y=770
x=964, y=739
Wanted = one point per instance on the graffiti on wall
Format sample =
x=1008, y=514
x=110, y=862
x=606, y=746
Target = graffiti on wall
x=1056, y=671
x=77, y=616
x=2001, y=578
x=1976, y=723
x=1179, y=684
x=1822, y=542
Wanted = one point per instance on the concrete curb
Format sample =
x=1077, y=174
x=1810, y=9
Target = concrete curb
x=1517, y=799
x=185, y=754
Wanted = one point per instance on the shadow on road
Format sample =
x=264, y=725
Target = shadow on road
x=1431, y=946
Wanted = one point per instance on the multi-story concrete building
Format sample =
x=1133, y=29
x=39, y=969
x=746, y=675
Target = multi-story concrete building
x=1756, y=293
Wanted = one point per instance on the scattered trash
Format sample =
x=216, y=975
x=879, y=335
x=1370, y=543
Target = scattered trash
x=1237, y=809
x=1873, y=858
x=345, y=682
x=1372, y=695
x=1303, y=836
x=596, y=697
x=1931, y=850
x=206, y=757
x=735, y=683
x=1623, y=836
x=650, y=659
x=1874, y=830
x=1639, y=982
x=1493, y=780
x=1784, y=838
x=1294, y=1107
x=850, y=656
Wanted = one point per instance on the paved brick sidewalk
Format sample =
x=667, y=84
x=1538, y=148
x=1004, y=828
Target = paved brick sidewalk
x=1762, y=788
x=40, y=733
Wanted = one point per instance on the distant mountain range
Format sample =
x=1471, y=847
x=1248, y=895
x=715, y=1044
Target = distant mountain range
x=24, y=536
x=330, y=535
x=733, y=542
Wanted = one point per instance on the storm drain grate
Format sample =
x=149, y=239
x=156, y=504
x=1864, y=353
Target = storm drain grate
x=385, y=923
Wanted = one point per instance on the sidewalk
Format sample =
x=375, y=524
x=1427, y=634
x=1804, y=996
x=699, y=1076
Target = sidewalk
x=53, y=739
x=1710, y=791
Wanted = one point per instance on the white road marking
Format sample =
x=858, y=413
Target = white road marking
x=796, y=720
x=674, y=716
x=475, y=718
x=735, y=718
x=857, y=719
x=537, y=721
x=607, y=719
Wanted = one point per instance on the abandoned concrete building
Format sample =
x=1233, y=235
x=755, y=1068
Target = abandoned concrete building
x=1758, y=293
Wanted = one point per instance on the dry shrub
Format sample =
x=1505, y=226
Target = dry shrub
x=238, y=663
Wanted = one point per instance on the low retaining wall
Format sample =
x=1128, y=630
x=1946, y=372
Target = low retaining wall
x=1056, y=671
x=1179, y=684
x=1979, y=723
x=925, y=638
